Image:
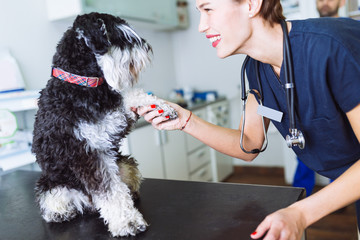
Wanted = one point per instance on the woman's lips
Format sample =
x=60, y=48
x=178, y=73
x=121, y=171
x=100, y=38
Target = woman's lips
x=214, y=44
x=214, y=39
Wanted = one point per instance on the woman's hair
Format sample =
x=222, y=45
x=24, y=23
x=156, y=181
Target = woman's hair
x=271, y=11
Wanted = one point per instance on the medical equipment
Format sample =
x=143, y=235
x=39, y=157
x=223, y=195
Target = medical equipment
x=296, y=138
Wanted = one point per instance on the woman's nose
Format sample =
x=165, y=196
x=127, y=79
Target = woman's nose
x=203, y=26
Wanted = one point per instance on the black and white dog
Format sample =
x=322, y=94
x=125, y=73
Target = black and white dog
x=84, y=113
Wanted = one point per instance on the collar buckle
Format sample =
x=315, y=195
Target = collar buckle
x=94, y=79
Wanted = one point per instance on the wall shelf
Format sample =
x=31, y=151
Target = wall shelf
x=19, y=101
x=16, y=160
x=17, y=152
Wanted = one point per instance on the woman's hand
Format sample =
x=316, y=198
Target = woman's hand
x=284, y=224
x=154, y=116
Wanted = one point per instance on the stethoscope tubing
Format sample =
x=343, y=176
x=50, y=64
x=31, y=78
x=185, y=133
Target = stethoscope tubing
x=253, y=151
x=288, y=69
x=296, y=138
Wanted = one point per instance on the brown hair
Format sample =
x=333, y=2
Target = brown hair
x=271, y=11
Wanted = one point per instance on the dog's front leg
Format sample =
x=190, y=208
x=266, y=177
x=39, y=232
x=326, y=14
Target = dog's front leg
x=117, y=209
x=138, y=98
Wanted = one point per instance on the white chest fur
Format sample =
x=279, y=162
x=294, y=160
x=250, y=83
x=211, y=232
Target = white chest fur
x=98, y=136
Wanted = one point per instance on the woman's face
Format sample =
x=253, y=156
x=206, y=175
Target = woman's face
x=225, y=23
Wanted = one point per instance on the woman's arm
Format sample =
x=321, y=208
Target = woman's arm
x=222, y=139
x=290, y=222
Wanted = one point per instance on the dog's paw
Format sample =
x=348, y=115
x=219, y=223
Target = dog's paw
x=168, y=111
x=50, y=216
x=130, y=227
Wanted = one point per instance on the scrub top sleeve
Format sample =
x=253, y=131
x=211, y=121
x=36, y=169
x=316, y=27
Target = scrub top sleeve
x=344, y=78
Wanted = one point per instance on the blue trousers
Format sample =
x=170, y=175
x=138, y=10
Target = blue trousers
x=304, y=177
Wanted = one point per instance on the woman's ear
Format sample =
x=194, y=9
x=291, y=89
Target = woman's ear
x=254, y=7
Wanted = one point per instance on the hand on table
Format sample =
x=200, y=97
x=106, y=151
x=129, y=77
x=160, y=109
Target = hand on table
x=284, y=224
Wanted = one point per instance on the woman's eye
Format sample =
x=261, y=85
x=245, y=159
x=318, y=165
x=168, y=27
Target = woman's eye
x=207, y=9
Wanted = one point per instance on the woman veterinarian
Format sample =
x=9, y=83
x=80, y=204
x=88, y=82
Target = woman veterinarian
x=325, y=55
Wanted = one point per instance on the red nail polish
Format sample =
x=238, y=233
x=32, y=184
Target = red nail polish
x=161, y=111
x=167, y=116
x=254, y=233
x=153, y=106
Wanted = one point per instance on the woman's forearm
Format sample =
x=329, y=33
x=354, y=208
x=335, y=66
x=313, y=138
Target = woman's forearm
x=222, y=139
x=342, y=192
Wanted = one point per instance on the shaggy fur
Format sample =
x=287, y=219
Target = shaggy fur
x=78, y=129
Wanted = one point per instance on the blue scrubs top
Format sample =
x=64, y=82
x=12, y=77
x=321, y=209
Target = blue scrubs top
x=326, y=61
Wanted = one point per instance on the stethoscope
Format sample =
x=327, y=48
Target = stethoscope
x=296, y=138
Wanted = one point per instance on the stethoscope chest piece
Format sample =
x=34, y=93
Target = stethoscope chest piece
x=296, y=139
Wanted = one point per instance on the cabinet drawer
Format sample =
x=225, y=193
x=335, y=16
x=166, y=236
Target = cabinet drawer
x=204, y=174
x=191, y=142
x=199, y=158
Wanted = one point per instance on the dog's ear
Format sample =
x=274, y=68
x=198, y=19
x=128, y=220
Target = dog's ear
x=91, y=28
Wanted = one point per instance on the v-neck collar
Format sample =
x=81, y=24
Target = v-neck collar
x=280, y=79
x=275, y=81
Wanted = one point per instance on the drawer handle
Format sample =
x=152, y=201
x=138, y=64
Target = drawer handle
x=201, y=154
x=202, y=172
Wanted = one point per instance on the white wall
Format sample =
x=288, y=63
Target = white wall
x=32, y=39
x=196, y=62
x=159, y=77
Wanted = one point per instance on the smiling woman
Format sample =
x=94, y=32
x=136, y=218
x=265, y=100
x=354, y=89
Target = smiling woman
x=217, y=21
x=254, y=27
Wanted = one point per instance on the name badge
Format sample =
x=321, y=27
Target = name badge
x=270, y=113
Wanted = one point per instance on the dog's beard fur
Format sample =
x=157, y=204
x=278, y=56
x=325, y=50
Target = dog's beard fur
x=121, y=67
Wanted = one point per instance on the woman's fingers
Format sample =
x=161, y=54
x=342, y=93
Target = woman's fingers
x=145, y=109
x=157, y=118
x=261, y=229
x=284, y=224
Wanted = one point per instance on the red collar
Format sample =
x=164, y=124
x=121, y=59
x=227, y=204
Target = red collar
x=76, y=79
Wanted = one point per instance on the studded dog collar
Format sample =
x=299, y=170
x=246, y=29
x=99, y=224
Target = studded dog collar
x=76, y=79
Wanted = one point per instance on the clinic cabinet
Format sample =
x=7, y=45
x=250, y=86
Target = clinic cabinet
x=160, y=154
x=15, y=151
x=198, y=155
x=154, y=14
